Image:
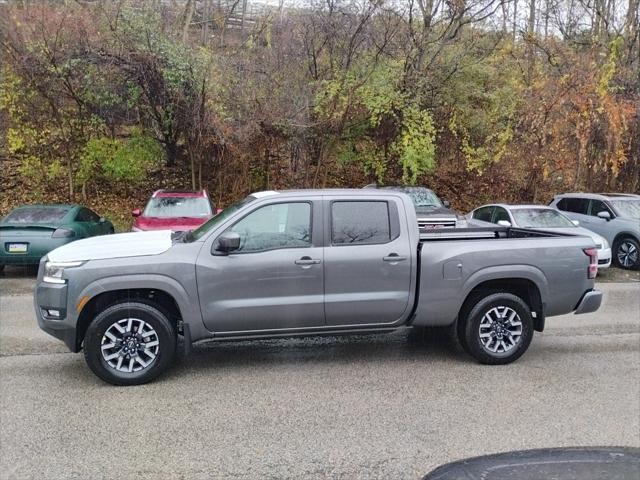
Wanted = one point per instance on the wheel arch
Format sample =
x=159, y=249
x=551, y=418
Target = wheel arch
x=165, y=294
x=522, y=287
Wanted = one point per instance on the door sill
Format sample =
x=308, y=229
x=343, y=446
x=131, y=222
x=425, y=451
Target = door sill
x=307, y=332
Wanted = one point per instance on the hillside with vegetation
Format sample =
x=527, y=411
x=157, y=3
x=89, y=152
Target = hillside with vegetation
x=102, y=102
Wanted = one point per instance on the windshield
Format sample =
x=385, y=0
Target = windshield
x=166, y=207
x=627, y=208
x=37, y=215
x=218, y=219
x=423, y=197
x=540, y=218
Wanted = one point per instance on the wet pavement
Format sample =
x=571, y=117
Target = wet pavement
x=386, y=406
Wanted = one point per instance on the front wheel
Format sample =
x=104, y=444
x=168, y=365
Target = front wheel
x=129, y=343
x=498, y=329
x=626, y=253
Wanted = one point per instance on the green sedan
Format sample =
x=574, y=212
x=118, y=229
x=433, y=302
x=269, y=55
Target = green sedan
x=31, y=231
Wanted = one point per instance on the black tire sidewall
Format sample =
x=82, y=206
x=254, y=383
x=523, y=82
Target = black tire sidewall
x=106, y=318
x=472, y=326
x=615, y=253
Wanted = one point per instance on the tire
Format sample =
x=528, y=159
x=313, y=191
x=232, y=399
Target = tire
x=626, y=253
x=143, y=343
x=492, y=333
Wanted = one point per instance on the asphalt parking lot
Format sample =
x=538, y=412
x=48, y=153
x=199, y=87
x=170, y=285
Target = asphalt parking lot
x=391, y=406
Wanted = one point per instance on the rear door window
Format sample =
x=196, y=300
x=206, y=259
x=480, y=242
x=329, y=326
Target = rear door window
x=575, y=205
x=360, y=222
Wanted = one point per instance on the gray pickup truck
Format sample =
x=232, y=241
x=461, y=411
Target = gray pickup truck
x=308, y=262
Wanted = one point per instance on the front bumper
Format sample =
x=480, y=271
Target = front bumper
x=50, y=298
x=590, y=302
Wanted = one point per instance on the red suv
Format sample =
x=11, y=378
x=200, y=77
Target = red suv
x=173, y=210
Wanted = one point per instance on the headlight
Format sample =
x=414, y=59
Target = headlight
x=53, y=271
x=605, y=244
x=136, y=229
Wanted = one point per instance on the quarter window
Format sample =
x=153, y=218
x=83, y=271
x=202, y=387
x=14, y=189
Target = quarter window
x=357, y=222
x=281, y=225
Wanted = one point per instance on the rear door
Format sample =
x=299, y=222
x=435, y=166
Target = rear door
x=367, y=265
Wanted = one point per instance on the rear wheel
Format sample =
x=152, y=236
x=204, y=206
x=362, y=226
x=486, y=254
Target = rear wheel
x=129, y=343
x=498, y=329
x=626, y=253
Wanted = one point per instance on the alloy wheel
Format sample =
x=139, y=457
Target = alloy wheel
x=627, y=254
x=130, y=345
x=500, y=330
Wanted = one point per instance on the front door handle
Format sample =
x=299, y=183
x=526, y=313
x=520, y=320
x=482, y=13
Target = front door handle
x=393, y=257
x=307, y=261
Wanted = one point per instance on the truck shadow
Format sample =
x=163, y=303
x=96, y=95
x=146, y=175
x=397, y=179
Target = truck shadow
x=395, y=347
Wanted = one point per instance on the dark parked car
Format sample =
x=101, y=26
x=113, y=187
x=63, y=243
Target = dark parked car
x=31, y=231
x=432, y=212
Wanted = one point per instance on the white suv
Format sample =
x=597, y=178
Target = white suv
x=615, y=216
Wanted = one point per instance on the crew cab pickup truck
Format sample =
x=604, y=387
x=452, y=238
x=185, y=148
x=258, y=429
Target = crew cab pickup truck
x=308, y=262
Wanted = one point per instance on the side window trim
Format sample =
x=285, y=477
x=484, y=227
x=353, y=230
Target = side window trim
x=286, y=247
x=361, y=200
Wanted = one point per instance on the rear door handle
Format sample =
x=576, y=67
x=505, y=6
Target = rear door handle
x=393, y=257
x=307, y=261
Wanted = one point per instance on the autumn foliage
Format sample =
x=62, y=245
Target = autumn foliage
x=107, y=101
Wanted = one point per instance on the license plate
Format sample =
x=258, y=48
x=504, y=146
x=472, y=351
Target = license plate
x=17, y=248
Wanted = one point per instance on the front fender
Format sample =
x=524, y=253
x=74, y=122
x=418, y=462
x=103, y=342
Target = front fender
x=188, y=304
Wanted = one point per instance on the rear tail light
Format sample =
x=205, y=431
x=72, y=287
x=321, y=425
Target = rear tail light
x=592, y=253
x=63, y=233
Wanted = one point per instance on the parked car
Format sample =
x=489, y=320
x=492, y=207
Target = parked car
x=564, y=463
x=539, y=217
x=173, y=210
x=29, y=232
x=310, y=262
x=615, y=216
x=430, y=210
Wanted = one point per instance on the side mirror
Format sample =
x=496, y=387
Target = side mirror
x=504, y=223
x=136, y=212
x=604, y=214
x=575, y=222
x=446, y=203
x=102, y=220
x=227, y=242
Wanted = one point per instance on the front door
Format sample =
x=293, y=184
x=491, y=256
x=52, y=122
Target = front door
x=275, y=279
x=367, y=263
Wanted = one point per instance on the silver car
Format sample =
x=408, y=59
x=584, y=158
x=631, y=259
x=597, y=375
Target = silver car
x=539, y=217
x=615, y=216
